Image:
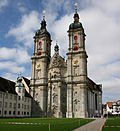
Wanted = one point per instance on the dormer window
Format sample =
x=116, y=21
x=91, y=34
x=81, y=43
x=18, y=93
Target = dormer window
x=19, y=98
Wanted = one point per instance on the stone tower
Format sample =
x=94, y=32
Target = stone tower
x=40, y=61
x=76, y=70
x=19, y=87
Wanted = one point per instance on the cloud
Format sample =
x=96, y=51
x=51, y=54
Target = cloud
x=24, y=31
x=22, y=56
x=111, y=92
x=13, y=61
x=18, y=55
x=10, y=76
x=11, y=67
x=21, y=8
x=3, y=3
x=110, y=7
x=6, y=53
x=59, y=31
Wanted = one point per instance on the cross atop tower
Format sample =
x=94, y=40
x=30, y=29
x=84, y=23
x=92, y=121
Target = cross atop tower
x=43, y=23
x=44, y=14
x=76, y=16
x=76, y=7
x=56, y=48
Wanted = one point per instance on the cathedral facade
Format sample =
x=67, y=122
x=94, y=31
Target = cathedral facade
x=62, y=88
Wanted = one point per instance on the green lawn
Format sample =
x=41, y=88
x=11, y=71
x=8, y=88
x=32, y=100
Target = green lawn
x=41, y=124
x=111, y=124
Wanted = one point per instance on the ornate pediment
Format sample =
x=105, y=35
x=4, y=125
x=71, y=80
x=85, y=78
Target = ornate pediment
x=57, y=61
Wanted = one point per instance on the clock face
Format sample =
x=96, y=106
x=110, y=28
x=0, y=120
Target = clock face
x=39, y=47
x=75, y=61
x=37, y=66
x=39, y=52
x=75, y=37
x=40, y=44
x=75, y=48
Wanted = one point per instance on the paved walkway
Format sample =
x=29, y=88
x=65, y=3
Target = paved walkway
x=92, y=126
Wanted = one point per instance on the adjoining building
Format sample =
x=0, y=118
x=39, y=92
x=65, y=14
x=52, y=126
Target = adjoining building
x=15, y=100
x=112, y=108
x=62, y=88
x=116, y=107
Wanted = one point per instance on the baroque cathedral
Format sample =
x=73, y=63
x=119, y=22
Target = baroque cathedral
x=59, y=87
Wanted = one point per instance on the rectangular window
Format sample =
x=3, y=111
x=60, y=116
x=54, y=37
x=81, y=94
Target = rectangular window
x=19, y=97
x=23, y=98
x=5, y=104
x=95, y=101
x=5, y=112
x=0, y=103
x=0, y=94
x=24, y=106
x=10, y=106
x=28, y=107
x=14, y=105
x=18, y=105
x=18, y=112
x=6, y=96
x=13, y=112
x=9, y=112
x=15, y=97
x=10, y=96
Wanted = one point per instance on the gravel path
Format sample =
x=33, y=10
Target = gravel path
x=95, y=125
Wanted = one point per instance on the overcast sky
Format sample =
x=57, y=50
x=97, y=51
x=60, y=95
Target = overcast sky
x=19, y=19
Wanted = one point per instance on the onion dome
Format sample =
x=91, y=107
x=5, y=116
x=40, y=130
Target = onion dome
x=76, y=23
x=42, y=29
x=19, y=82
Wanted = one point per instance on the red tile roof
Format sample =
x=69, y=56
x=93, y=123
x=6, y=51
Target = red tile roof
x=109, y=104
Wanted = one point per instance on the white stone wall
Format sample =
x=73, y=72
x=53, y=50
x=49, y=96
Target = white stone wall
x=9, y=105
x=23, y=107
x=1, y=103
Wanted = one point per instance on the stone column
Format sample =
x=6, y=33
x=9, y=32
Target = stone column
x=69, y=113
x=43, y=99
x=83, y=111
x=49, y=100
x=33, y=69
x=32, y=81
x=59, y=113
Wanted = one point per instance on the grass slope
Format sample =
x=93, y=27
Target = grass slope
x=41, y=124
x=112, y=124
